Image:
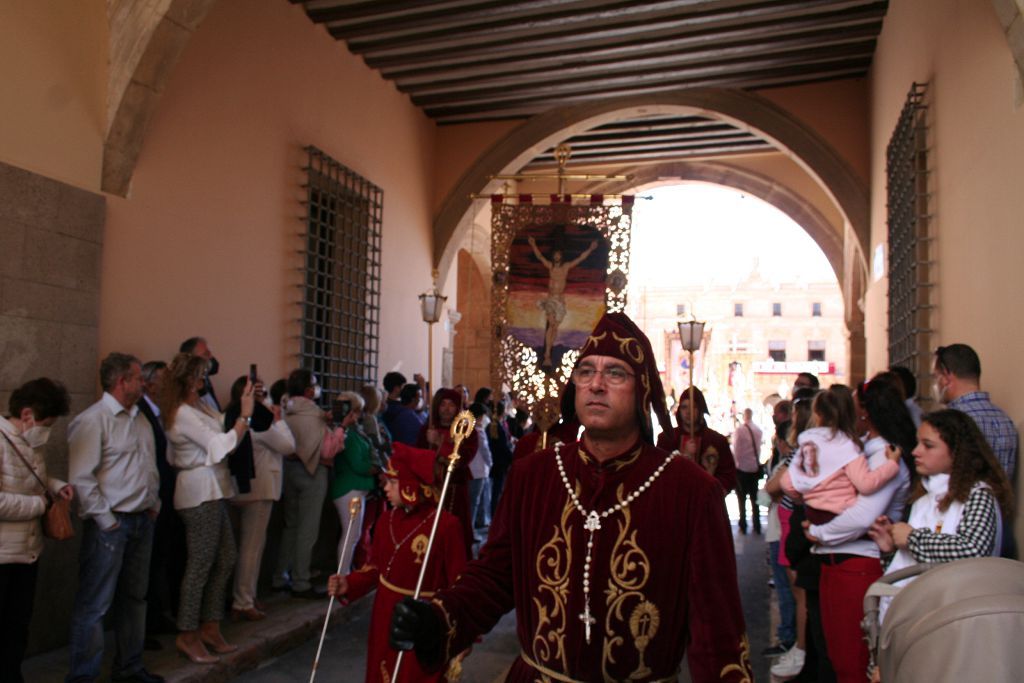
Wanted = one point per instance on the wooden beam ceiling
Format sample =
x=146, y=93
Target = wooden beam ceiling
x=478, y=60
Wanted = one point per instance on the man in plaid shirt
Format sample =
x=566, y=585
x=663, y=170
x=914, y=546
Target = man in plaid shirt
x=957, y=372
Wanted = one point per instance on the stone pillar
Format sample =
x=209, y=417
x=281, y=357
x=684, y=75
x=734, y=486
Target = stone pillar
x=51, y=238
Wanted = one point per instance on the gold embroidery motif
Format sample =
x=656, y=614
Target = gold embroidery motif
x=643, y=624
x=743, y=667
x=631, y=348
x=554, y=561
x=630, y=570
x=593, y=341
x=419, y=547
x=709, y=460
x=450, y=623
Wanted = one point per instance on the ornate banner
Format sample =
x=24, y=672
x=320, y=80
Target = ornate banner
x=556, y=268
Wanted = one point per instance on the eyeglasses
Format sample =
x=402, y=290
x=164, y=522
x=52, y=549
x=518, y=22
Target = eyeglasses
x=614, y=376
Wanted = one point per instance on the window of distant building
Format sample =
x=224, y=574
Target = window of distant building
x=777, y=350
x=816, y=350
x=777, y=310
x=681, y=310
x=816, y=309
x=737, y=310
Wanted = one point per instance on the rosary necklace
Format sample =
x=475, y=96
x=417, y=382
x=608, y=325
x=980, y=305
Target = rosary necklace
x=399, y=544
x=593, y=523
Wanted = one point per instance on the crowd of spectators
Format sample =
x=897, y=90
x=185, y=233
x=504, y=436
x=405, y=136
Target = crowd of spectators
x=175, y=493
x=164, y=478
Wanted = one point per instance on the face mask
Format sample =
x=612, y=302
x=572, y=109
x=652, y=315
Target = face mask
x=316, y=392
x=37, y=436
x=268, y=402
x=214, y=367
x=938, y=391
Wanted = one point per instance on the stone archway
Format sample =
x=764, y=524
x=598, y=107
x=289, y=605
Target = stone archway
x=771, y=191
x=742, y=109
x=845, y=245
x=146, y=41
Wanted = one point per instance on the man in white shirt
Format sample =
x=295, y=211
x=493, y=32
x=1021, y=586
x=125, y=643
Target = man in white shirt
x=112, y=465
x=746, y=449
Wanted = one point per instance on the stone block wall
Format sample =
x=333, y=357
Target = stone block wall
x=51, y=239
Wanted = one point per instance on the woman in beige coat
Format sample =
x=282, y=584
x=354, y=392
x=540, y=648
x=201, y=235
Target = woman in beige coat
x=34, y=407
x=271, y=442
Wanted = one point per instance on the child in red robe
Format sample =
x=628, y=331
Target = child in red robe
x=397, y=555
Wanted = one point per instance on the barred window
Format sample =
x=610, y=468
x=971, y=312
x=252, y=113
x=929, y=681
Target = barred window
x=816, y=349
x=777, y=350
x=911, y=252
x=341, y=302
x=776, y=310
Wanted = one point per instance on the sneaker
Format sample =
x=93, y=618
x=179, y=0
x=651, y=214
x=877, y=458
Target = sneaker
x=789, y=664
x=776, y=650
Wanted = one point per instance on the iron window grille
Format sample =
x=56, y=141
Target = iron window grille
x=341, y=292
x=911, y=259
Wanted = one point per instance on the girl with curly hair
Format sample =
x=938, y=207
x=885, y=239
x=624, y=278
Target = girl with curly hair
x=958, y=503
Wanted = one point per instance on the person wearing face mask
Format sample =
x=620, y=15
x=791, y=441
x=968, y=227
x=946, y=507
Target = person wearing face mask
x=197, y=346
x=112, y=465
x=305, y=483
x=34, y=407
x=957, y=377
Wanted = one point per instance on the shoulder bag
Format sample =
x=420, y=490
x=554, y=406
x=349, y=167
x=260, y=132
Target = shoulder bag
x=57, y=518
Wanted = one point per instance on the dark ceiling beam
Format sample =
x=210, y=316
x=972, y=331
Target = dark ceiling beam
x=633, y=22
x=662, y=155
x=653, y=136
x=509, y=111
x=505, y=61
x=630, y=142
x=852, y=42
x=469, y=16
x=682, y=76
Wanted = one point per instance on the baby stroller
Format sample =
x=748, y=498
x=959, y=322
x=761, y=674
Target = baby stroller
x=959, y=621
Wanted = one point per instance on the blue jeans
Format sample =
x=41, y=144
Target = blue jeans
x=786, y=631
x=113, y=573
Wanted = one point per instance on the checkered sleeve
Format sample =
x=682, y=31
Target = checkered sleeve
x=975, y=536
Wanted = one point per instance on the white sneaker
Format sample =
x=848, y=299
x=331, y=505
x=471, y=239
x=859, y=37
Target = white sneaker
x=789, y=664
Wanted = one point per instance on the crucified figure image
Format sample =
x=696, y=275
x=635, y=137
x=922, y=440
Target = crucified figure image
x=554, y=304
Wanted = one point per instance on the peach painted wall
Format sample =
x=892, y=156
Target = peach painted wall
x=206, y=242
x=978, y=161
x=53, y=61
x=458, y=147
x=837, y=111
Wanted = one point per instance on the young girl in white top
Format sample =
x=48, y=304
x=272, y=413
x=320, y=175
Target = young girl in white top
x=829, y=468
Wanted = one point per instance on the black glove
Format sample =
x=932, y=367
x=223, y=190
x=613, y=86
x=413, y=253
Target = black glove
x=415, y=626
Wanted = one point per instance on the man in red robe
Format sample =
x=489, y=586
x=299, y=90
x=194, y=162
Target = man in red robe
x=397, y=556
x=707, y=448
x=436, y=435
x=616, y=555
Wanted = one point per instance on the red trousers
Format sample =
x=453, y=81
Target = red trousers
x=842, y=590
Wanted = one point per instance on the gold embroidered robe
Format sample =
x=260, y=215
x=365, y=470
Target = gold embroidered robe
x=662, y=575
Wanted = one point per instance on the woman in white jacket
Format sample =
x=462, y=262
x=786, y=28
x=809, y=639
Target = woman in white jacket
x=34, y=407
x=197, y=446
x=271, y=442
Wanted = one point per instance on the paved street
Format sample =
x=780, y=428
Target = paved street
x=344, y=656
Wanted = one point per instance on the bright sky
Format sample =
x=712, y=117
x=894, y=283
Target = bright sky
x=699, y=232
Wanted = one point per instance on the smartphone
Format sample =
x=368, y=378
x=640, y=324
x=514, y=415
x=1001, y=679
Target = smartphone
x=339, y=409
x=252, y=373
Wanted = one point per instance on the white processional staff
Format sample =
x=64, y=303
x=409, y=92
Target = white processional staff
x=462, y=426
x=353, y=513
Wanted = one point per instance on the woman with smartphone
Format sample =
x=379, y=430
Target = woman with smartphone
x=198, y=447
x=355, y=470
